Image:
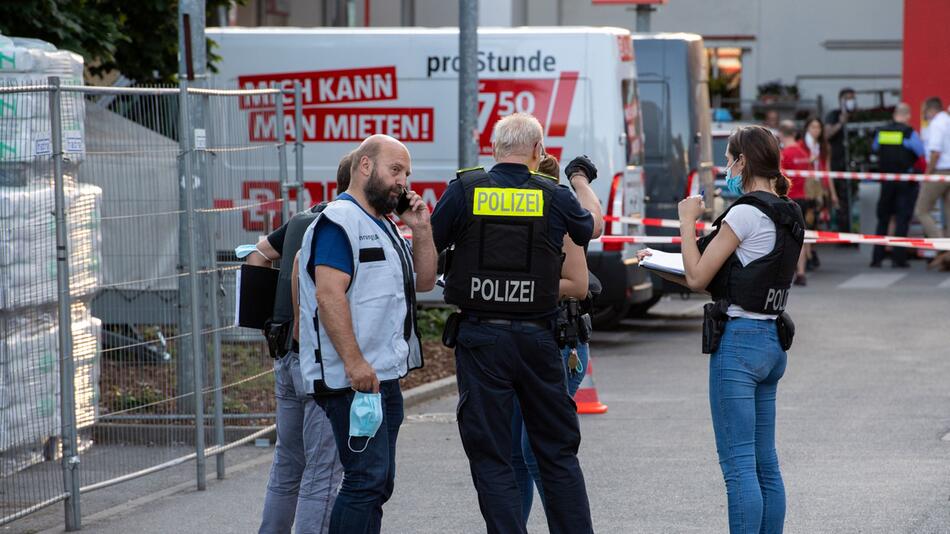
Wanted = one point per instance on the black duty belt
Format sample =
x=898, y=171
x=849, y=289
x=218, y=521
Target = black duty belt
x=510, y=322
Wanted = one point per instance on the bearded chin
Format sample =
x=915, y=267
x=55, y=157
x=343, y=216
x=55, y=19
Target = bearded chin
x=379, y=196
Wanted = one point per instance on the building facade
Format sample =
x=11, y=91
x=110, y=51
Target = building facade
x=816, y=46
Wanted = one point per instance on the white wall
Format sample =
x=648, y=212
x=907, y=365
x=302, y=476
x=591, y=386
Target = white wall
x=787, y=36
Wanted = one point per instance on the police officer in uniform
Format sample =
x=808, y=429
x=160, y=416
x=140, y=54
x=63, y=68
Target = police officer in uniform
x=747, y=265
x=898, y=148
x=306, y=471
x=507, y=226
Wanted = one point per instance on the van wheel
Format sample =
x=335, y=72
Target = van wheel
x=641, y=309
x=609, y=317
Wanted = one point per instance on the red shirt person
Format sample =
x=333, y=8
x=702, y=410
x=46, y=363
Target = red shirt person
x=794, y=158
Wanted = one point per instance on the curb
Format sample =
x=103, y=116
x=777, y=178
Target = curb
x=426, y=392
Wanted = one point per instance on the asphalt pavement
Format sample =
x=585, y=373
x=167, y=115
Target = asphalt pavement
x=863, y=427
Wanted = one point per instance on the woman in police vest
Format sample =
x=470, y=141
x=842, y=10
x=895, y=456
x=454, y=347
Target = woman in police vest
x=747, y=266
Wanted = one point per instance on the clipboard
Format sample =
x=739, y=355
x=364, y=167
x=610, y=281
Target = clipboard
x=255, y=288
x=666, y=265
x=664, y=262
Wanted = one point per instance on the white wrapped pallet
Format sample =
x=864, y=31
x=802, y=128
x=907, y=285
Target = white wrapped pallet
x=24, y=117
x=28, y=273
x=29, y=377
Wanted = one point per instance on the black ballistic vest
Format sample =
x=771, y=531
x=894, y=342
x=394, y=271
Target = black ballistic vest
x=892, y=155
x=762, y=285
x=503, y=263
x=283, y=301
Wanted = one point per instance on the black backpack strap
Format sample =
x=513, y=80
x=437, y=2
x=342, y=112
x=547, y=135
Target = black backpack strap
x=782, y=211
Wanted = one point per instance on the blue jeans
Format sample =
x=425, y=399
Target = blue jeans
x=368, y=476
x=743, y=378
x=306, y=472
x=522, y=457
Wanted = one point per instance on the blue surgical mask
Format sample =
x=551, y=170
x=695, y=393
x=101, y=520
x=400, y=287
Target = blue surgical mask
x=733, y=182
x=243, y=250
x=366, y=414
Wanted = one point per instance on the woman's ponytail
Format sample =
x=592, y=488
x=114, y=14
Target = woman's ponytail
x=782, y=185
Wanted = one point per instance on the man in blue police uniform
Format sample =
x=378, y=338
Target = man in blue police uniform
x=898, y=147
x=507, y=226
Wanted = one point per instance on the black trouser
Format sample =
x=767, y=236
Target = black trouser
x=897, y=199
x=498, y=365
x=845, y=192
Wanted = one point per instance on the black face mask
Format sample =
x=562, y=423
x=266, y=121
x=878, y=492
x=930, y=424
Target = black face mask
x=383, y=199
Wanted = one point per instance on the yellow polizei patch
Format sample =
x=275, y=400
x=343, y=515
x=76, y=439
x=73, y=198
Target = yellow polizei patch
x=508, y=202
x=889, y=137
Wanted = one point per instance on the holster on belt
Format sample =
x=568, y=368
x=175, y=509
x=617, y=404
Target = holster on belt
x=279, y=338
x=714, y=324
x=786, y=330
x=568, y=324
x=451, y=331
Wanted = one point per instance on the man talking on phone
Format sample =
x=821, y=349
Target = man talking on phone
x=357, y=286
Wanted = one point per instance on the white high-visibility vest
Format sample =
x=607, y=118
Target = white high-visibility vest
x=381, y=298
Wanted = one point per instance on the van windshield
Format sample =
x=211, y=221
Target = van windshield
x=631, y=119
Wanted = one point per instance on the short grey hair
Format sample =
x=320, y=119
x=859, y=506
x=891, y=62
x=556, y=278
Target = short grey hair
x=516, y=134
x=903, y=108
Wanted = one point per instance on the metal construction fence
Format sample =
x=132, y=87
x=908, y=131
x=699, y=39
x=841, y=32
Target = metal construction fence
x=117, y=285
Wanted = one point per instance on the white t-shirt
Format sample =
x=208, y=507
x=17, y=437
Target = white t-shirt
x=938, y=139
x=756, y=233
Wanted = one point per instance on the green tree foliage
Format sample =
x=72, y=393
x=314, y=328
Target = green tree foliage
x=138, y=38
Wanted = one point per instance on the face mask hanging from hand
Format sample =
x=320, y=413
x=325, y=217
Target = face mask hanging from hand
x=366, y=415
x=733, y=181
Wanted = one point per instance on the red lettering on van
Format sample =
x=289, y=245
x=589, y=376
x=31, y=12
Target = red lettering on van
x=371, y=84
x=347, y=124
x=500, y=98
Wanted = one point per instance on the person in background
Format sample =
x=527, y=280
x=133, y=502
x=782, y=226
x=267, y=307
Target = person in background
x=306, y=472
x=819, y=190
x=796, y=158
x=898, y=147
x=938, y=162
x=837, y=137
x=574, y=284
x=772, y=121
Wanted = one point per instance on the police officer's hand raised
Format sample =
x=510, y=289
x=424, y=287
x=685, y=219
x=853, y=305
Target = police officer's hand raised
x=691, y=209
x=583, y=166
x=362, y=376
x=417, y=215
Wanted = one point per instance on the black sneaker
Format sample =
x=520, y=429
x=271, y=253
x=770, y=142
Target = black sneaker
x=875, y=264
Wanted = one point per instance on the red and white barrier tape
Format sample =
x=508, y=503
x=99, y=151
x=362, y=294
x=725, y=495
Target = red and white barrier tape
x=875, y=176
x=940, y=244
x=811, y=236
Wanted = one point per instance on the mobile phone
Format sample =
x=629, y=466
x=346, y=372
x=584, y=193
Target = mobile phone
x=403, y=203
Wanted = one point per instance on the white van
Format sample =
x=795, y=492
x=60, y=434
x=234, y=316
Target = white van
x=579, y=82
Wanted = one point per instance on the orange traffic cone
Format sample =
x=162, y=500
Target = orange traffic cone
x=586, y=396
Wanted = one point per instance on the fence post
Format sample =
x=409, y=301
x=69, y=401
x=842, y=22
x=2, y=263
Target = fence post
x=298, y=145
x=67, y=367
x=188, y=182
x=282, y=157
x=216, y=346
x=216, y=292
